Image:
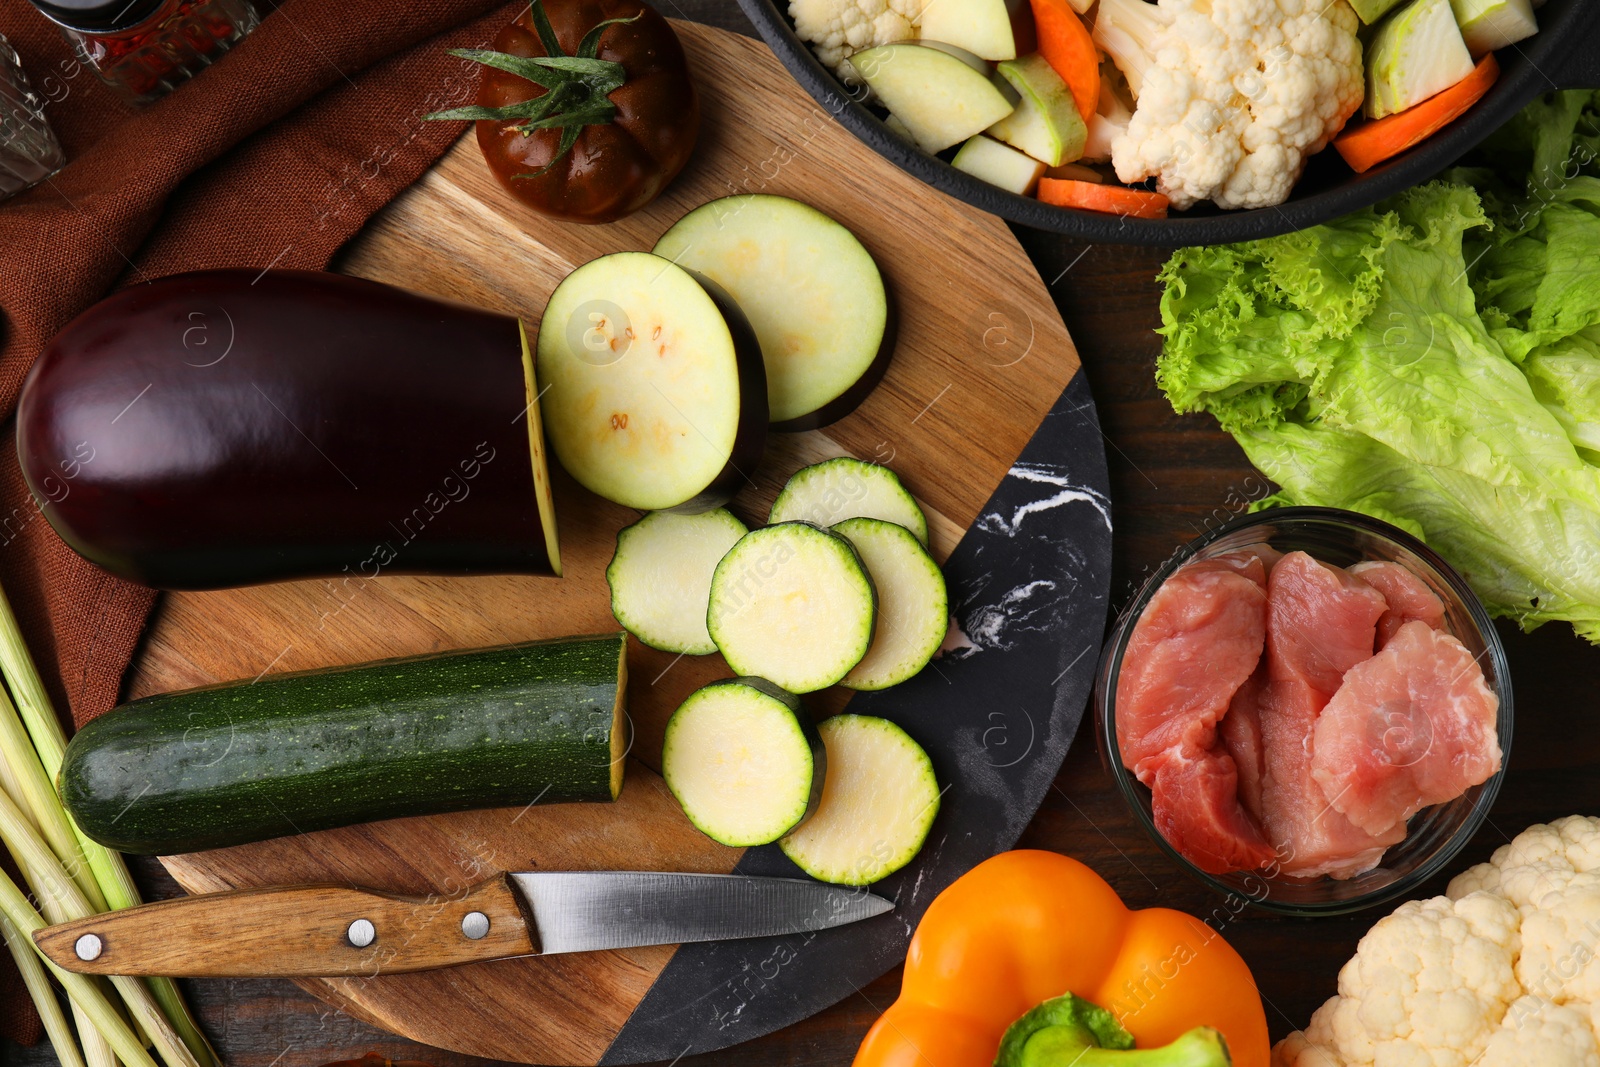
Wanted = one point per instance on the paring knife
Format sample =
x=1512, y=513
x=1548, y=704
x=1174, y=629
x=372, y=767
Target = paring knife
x=338, y=930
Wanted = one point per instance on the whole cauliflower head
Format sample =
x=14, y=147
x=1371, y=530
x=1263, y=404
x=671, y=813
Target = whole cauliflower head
x=1232, y=95
x=1552, y=873
x=1427, y=987
x=1502, y=971
x=837, y=29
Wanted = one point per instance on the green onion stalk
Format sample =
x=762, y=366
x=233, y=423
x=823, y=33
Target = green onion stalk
x=22, y=776
x=97, y=1051
x=33, y=749
x=61, y=901
x=80, y=990
x=43, y=994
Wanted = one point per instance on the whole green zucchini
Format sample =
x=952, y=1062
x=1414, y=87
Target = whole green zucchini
x=244, y=761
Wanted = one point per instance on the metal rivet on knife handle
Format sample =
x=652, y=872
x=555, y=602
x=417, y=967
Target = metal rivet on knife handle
x=361, y=933
x=475, y=924
x=88, y=947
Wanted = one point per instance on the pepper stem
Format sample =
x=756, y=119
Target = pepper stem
x=1058, y=1046
x=1068, y=1031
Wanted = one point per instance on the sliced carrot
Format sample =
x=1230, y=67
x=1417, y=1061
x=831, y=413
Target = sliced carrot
x=1111, y=199
x=1075, y=172
x=1367, y=145
x=1065, y=43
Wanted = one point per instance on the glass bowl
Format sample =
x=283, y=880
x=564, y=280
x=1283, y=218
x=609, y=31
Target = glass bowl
x=1433, y=835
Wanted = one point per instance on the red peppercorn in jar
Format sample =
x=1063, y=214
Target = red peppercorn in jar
x=143, y=49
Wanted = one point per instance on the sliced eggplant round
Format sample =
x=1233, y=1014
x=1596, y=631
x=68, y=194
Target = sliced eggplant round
x=651, y=384
x=878, y=803
x=913, y=605
x=815, y=297
x=660, y=577
x=230, y=427
x=794, y=604
x=744, y=760
x=829, y=492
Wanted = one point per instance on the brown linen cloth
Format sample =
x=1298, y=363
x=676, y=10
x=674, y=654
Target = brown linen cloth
x=274, y=156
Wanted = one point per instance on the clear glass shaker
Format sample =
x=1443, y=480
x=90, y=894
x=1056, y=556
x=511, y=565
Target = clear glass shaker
x=29, y=151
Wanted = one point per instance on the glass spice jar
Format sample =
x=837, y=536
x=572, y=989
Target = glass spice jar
x=29, y=151
x=144, y=49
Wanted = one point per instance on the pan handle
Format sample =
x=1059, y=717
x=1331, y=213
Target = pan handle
x=1576, y=65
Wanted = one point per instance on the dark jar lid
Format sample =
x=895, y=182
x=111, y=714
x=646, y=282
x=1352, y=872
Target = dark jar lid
x=99, y=16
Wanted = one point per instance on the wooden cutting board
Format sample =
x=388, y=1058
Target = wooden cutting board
x=982, y=358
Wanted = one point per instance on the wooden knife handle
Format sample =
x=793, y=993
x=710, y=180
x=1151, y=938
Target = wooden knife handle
x=296, y=932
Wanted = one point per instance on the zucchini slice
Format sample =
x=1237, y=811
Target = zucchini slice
x=291, y=753
x=829, y=492
x=814, y=295
x=878, y=802
x=744, y=761
x=913, y=606
x=660, y=577
x=792, y=603
x=652, y=389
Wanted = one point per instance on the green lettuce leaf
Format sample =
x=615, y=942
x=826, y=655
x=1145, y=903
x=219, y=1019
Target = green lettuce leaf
x=1433, y=361
x=1565, y=377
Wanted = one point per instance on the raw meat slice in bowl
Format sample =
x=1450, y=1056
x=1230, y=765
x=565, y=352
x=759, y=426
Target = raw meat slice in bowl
x=1253, y=561
x=1240, y=733
x=1197, y=807
x=1320, y=622
x=1196, y=642
x=1412, y=726
x=1408, y=597
x=1311, y=836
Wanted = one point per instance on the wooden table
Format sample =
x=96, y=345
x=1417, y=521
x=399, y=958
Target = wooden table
x=1171, y=478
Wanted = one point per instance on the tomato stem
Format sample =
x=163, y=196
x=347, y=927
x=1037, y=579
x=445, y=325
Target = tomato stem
x=576, y=88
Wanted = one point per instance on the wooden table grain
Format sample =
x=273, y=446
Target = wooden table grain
x=1171, y=477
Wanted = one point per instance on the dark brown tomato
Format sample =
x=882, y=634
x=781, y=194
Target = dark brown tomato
x=614, y=169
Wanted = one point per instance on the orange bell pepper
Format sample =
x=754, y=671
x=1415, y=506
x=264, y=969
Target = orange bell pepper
x=1026, y=926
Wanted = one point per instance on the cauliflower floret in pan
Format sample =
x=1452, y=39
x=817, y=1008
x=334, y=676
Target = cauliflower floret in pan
x=837, y=29
x=1232, y=95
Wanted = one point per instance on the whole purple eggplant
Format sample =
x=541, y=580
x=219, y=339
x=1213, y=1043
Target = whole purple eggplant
x=227, y=427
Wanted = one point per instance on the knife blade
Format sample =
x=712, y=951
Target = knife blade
x=582, y=911
x=339, y=930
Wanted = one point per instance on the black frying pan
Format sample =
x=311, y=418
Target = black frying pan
x=1564, y=54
